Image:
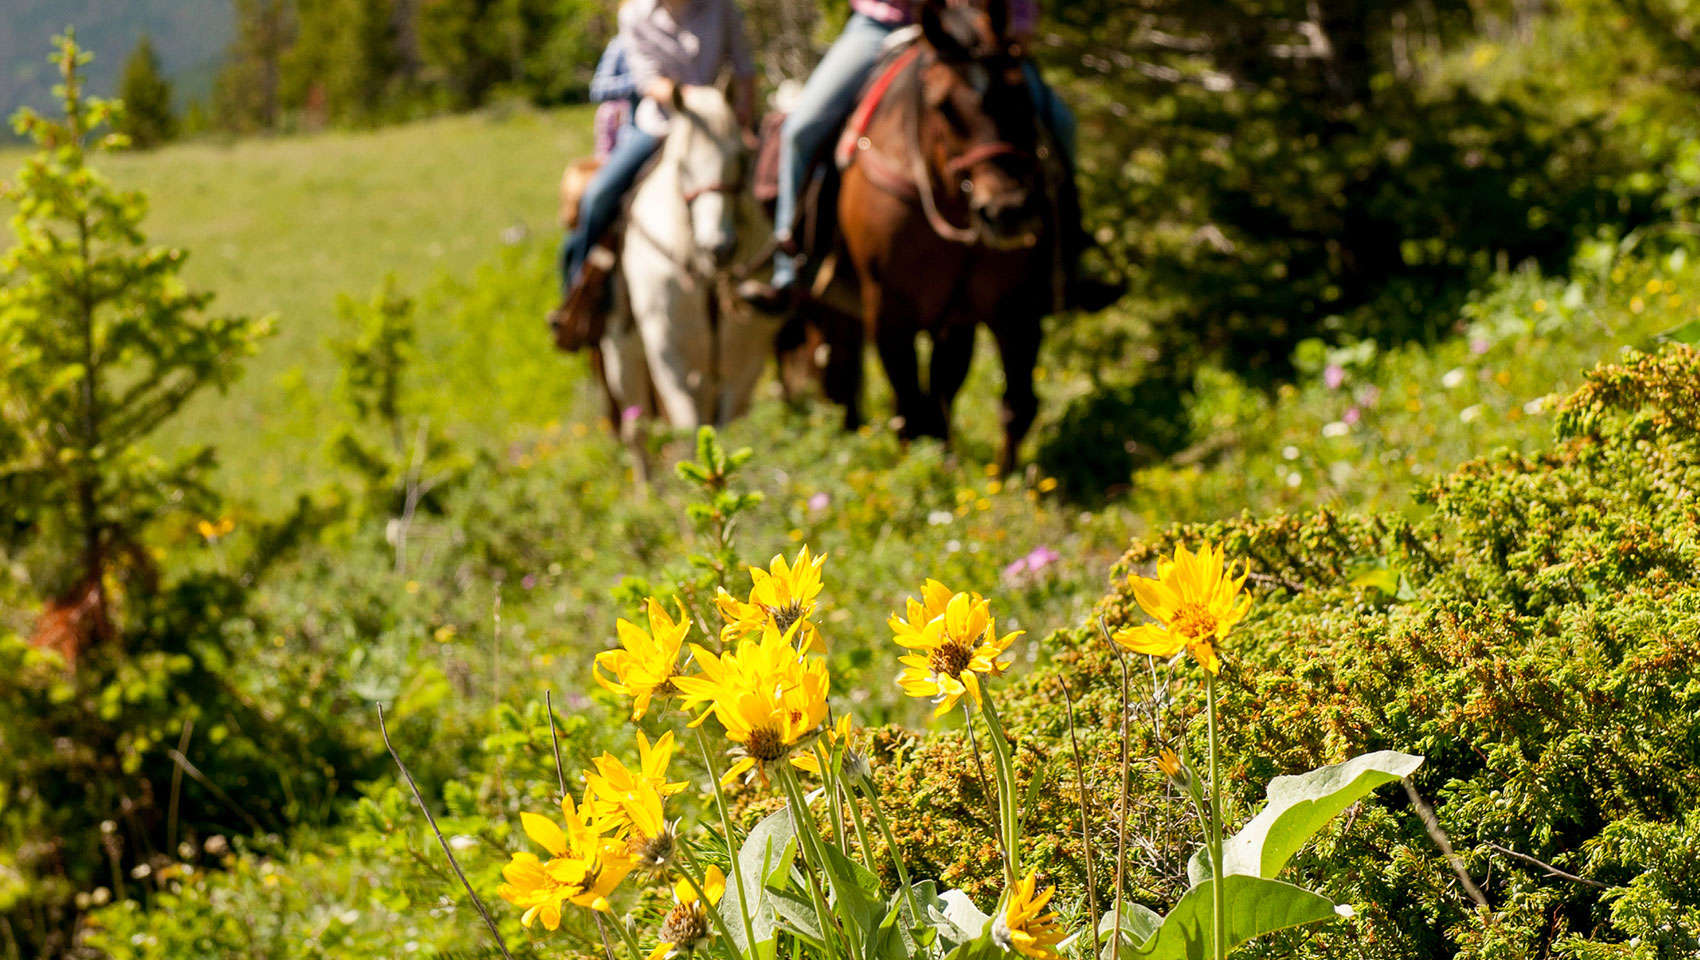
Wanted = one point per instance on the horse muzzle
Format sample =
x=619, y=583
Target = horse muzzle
x=1007, y=221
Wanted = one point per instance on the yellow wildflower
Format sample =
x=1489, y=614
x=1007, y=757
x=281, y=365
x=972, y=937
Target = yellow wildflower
x=1023, y=926
x=839, y=732
x=954, y=639
x=583, y=868
x=784, y=594
x=646, y=664
x=687, y=923
x=1169, y=763
x=619, y=801
x=1195, y=601
x=767, y=697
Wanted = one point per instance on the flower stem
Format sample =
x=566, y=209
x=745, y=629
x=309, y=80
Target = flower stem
x=810, y=844
x=1219, y=920
x=731, y=848
x=602, y=928
x=829, y=780
x=873, y=792
x=861, y=828
x=997, y=814
x=1121, y=812
x=626, y=935
x=1005, y=768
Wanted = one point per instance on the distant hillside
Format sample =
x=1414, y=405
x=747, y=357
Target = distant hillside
x=191, y=36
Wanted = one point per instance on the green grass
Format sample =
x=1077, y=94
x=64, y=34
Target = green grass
x=282, y=226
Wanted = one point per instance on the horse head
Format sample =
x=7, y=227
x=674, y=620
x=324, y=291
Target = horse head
x=706, y=149
x=978, y=129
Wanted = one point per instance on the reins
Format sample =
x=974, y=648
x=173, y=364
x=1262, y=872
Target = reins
x=918, y=184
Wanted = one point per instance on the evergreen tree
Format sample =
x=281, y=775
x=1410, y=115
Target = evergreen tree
x=344, y=60
x=100, y=344
x=148, y=118
x=247, y=94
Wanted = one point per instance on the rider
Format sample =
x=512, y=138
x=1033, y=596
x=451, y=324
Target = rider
x=668, y=44
x=614, y=94
x=827, y=100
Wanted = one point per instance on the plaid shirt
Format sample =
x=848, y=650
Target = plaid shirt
x=689, y=48
x=613, y=80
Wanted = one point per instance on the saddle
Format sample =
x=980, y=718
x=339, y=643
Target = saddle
x=814, y=234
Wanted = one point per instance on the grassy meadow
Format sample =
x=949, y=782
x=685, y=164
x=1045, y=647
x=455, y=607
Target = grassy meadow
x=284, y=226
x=462, y=616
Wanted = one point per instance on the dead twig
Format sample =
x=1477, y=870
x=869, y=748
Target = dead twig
x=554, y=741
x=441, y=840
x=1431, y=823
x=1549, y=868
x=1085, y=821
x=201, y=778
x=1291, y=585
x=1121, y=822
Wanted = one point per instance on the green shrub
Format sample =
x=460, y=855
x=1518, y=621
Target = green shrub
x=1535, y=633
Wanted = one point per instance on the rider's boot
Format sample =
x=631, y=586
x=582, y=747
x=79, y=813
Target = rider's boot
x=1082, y=289
x=582, y=316
x=774, y=296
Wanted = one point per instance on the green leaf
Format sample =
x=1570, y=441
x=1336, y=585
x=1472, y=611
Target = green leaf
x=796, y=913
x=1139, y=922
x=1688, y=333
x=1253, y=905
x=765, y=860
x=1379, y=577
x=1298, y=807
x=855, y=891
x=958, y=919
x=1028, y=803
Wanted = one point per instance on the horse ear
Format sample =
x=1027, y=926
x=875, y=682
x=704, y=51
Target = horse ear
x=997, y=11
x=933, y=29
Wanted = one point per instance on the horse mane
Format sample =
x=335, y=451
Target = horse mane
x=964, y=29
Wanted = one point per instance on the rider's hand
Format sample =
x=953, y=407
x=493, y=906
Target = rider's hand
x=661, y=90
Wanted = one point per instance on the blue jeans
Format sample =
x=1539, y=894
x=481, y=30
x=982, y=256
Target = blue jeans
x=826, y=102
x=1053, y=113
x=602, y=196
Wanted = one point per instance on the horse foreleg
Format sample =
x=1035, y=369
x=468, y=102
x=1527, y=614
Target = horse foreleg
x=1018, y=346
x=953, y=351
x=896, y=342
x=845, y=364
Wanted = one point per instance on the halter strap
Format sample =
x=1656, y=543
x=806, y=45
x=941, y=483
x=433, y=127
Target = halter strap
x=980, y=153
x=916, y=185
x=718, y=186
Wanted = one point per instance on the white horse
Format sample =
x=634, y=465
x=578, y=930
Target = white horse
x=661, y=348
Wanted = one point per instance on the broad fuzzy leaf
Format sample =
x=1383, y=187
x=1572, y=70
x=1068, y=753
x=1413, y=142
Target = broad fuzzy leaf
x=1298, y=806
x=1254, y=907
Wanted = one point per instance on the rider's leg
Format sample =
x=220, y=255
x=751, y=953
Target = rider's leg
x=601, y=203
x=1082, y=292
x=826, y=100
x=1054, y=113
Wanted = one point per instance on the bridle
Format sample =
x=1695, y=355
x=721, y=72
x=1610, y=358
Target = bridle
x=684, y=264
x=920, y=181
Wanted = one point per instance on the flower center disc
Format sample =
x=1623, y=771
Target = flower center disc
x=765, y=745
x=1194, y=621
x=685, y=925
x=785, y=616
x=950, y=659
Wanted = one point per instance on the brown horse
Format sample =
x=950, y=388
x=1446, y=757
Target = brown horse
x=942, y=216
